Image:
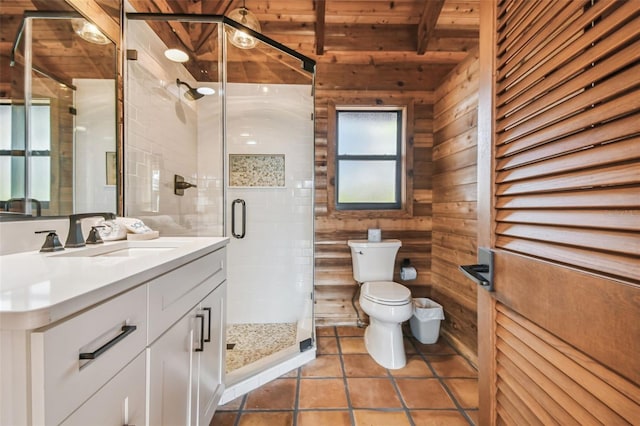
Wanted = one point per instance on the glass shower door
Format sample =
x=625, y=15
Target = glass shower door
x=269, y=201
x=249, y=149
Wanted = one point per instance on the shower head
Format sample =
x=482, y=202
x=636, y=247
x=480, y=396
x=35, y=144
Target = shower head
x=192, y=93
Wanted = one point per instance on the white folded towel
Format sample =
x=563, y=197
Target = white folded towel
x=118, y=228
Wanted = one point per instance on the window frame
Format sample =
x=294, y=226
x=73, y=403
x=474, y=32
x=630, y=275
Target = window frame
x=378, y=101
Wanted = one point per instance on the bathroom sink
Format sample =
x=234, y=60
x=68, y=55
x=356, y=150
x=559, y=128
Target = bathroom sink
x=127, y=249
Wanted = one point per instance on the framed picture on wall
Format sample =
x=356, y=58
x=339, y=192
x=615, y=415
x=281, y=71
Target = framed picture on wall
x=111, y=168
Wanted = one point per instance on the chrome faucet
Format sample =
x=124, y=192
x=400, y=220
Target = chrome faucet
x=75, y=237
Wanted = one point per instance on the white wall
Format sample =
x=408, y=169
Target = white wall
x=95, y=102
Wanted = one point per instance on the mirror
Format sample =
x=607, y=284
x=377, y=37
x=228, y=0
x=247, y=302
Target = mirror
x=58, y=112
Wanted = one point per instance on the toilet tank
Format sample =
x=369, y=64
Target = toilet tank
x=373, y=261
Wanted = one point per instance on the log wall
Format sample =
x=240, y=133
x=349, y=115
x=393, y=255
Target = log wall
x=454, y=203
x=384, y=81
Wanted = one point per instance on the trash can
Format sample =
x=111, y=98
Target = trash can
x=425, y=322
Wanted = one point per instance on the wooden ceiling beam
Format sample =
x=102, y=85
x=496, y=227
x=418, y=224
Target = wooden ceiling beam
x=178, y=28
x=427, y=23
x=321, y=7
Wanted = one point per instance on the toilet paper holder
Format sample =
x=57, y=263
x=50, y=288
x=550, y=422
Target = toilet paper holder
x=407, y=271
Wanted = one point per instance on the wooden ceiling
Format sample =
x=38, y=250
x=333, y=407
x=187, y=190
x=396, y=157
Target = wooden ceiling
x=57, y=50
x=421, y=36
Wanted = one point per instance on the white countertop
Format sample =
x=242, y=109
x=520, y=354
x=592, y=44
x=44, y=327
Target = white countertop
x=37, y=289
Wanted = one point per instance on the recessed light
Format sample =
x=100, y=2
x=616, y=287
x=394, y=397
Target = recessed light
x=206, y=91
x=176, y=55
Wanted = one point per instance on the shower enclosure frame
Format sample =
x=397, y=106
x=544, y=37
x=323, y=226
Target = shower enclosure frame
x=308, y=65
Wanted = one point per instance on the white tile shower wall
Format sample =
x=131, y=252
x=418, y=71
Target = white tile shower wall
x=271, y=270
x=272, y=267
x=210, y=165
x=161, y=137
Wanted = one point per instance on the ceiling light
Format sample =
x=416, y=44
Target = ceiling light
x=239, y=37
x=176, y=55
x=206, y=91
x=88, y=31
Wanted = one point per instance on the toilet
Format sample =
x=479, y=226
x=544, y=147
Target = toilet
x=387, y=303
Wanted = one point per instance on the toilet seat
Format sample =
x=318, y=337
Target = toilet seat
x=386, y=293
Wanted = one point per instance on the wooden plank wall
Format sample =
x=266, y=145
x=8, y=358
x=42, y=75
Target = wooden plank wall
x=454, y=203
x=374, y=83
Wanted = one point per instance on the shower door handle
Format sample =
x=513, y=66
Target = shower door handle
x=233, y=218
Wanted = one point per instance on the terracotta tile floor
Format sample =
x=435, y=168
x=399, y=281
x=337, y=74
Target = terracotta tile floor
x=344, y=386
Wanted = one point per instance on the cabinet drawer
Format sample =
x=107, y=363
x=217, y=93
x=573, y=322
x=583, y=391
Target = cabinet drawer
x=61, y=381
x=175, y=293
x=120, y=402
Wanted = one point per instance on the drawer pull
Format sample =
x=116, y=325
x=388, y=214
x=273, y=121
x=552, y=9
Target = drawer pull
x=208, y=339
x=126, y=330
x=201, y=348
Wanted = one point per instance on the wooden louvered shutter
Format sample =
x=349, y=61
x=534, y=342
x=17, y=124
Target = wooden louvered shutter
x=568, y=134
x=559, y=337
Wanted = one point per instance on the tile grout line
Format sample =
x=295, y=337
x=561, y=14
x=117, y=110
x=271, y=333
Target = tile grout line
x=344, y=379
x=296, y=400
x=440, y=379
x=240, y=410
x=397, y=389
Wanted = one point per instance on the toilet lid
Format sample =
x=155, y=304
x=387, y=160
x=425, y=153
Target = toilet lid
x=386, y=292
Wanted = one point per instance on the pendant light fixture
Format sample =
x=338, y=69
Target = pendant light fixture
x=238, y=37
x=88, y=31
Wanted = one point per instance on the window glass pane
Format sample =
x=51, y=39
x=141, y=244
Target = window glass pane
x=17, y=177
x=367, y=133
x=5, y=127
x=5, y=177
x=41, y=128
x=367, y=181
x=40, y=178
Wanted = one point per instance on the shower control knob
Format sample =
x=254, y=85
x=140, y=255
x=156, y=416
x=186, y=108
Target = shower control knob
x=179, y=185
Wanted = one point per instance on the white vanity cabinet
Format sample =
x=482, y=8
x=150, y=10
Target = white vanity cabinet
x=131, y=355
x=186, y=361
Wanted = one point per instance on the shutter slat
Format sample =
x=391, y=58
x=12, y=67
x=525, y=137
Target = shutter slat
x=624, y=174
x=548, y=60
x=609, y=404
x=607, y=240
x=570, y=107
x=536, y=413
x=600, y=155
x=628, y=220
x=584, y=199
x=598, y=114
x=604, y=263
x=533, y=378
x=514, y=14
x=542, y=26
x=608, y=132
x=522, y=109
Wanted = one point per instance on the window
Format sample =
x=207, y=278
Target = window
x=369, y=158
x=12, y=151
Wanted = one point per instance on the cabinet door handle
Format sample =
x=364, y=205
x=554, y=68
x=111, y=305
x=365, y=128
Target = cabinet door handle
x=126, y=330
x=208, y=339
x=201, y=348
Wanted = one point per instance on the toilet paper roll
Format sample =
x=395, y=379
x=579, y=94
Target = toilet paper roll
x=408, y=273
